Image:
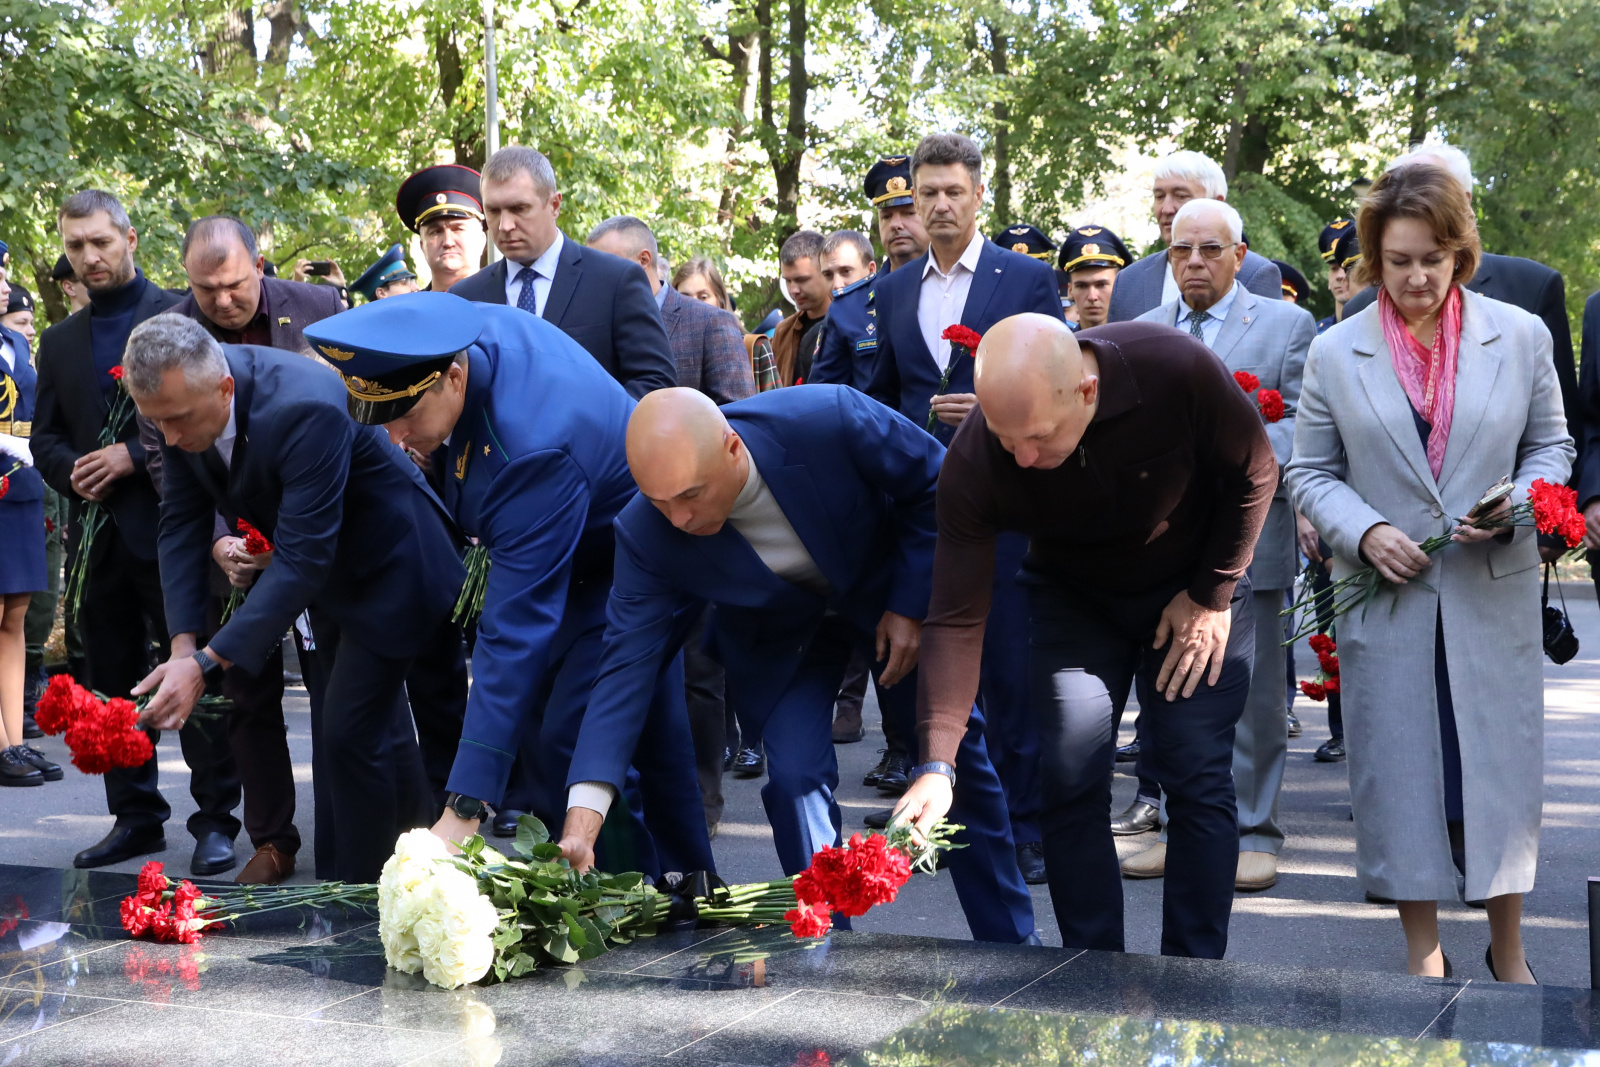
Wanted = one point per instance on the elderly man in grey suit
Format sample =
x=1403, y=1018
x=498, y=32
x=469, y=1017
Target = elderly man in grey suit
x=1264, y=341
x=1152, y=282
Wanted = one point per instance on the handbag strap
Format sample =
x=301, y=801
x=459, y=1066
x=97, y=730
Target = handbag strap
x=1544, y=597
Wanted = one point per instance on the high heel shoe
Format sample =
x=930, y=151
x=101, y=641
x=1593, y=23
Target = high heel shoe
x=1488, y=961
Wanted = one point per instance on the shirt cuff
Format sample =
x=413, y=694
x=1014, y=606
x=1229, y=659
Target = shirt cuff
x=596, y=796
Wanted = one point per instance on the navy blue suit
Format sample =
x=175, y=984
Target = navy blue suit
x=22, y=567
x=1006, y=283
x=358, y=539
x=604, y=303
x=536, y=470
x=857, y=483
x=848, y=350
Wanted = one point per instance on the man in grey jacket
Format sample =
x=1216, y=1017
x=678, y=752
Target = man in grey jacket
x=1264, y=341
x=1150, y=282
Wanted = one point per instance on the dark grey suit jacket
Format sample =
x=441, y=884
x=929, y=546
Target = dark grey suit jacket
x=604, y=303
x=1139, y=285
x=291, y=307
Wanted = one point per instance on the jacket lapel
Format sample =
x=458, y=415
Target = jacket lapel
x=906, y=326
x=671, y=308
x=1477, y=367
x=1388, y=399
x=985, y=281
x=569, y=272
x=1240, y=317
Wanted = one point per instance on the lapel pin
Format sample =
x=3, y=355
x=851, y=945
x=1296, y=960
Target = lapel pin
x=486, y=450
x=997, y=270
x=283, y=320
x=1247, y=320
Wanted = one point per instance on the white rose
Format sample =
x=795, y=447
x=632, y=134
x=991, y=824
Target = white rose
x=455, y=932
x=403, y=895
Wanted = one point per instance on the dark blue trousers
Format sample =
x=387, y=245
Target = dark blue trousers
x=803, y=773
x=1089, y=649
x=1010, y=733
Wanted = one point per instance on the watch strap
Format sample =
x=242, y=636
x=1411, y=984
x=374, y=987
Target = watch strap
x=934, y=767
x=465, y=807
x=209, y=668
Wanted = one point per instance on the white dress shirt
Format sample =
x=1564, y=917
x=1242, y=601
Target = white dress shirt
x=1216, y=315
x=944, y=297
x=230, y=434
x=544, y=273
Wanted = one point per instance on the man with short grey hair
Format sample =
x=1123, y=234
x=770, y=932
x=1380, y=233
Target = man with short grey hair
x=1150, y=282
x=605, y=305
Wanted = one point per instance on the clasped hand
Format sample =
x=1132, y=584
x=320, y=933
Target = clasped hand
x=95, y=473
x=240, y=566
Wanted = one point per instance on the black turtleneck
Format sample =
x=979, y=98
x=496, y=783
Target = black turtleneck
x=110, y=323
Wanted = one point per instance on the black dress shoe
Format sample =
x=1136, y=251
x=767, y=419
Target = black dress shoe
x=1330, y=751
x=1030, y=858
x=893, y=779
x=870, y=779
x=1141, y=817
x=16, y=769
x=1373, y=898
x=213, y=854
x=727, y=759
x=504, y=823
x=1488, y=961
x=122, y=843
x=749, y=763
x=30, y=729
x=1294, y=724
x=52, y=772
x=1128, y=753
x=879, y=820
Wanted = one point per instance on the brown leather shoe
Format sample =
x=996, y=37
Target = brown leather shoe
x=267, y=867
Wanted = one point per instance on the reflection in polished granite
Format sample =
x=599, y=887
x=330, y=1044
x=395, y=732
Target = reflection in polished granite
x=310, y=987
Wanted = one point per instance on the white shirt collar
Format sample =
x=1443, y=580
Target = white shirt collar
x=229, y=433
x=545, y=265
x=1218, y=311
x=969, y=258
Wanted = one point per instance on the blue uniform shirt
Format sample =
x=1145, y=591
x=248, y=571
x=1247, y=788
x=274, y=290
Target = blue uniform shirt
x=849, y=346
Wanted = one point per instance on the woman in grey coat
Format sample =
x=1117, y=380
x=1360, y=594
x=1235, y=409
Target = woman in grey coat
x=1441, y=678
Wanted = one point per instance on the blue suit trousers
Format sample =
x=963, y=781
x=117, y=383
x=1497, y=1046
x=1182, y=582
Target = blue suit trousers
x=803, y=773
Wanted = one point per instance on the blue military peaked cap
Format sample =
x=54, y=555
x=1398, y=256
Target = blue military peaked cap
x=1331, y=233
x=1346, y=251
x=390, y=352
x=1029, y=240
x=1295, y=286
x=1093, y=247
x=888, y=181
x=391, y=267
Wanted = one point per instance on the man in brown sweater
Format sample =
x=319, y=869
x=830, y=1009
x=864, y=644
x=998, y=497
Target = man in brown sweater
x=1141, y=474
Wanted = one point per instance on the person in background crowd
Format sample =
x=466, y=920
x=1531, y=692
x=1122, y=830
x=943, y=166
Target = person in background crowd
x=444, y=206
x=1028, y=240
x=698, y=278
x=1411, y=411
x=1268, y=339
x=1338, y=277
x=613, y=314
x=73, y=291
x=969, y=281
x=306, y=272
x=1296, y=290
x=794, y=341
x=122, y=599
x=846, y=261
x=1346, y=253
x=1150, y=282
x=389, y=276
x=18, y=317
x=849, y=337
x=900, y=228
x=1091, y=258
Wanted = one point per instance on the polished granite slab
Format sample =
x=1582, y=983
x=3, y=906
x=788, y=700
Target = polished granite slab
x=311, y=987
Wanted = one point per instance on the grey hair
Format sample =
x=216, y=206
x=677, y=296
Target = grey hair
x=167, y=342
x=212, y=231
x=1195, y=167
x=855, y=239
x=1230, y=217
x=944, y=149
x=807, y=244
x=633, y=231
x=86, y=202
x=1452, y=159
x=514, y=159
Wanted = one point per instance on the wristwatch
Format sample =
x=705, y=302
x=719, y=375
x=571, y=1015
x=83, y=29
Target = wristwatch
x=466, y=807
x=210, y=669
x=934, y=767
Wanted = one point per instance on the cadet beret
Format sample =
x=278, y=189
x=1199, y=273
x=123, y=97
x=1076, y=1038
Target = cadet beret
x=390, y=352
x=1331, y=233
x=447, y=191
x=62, y=270
x=21, y=300
x=1093, y=246
x=391, y=267
x=888, y=181
x=1294, y=283
x=1029, y=240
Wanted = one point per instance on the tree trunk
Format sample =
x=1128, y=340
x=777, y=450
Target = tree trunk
x=786, y=164
x=744, y=43
x=1000, y=64
x=48, y=294
x=1418, y=131
x=1230, y=149
x=233, y=45
x=466, y=131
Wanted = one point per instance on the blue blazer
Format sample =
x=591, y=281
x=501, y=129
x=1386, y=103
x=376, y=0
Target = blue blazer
x=16, y=405
x=604, y=303
x=355, y=531
x=536, y=469
x=856, y=481
x=1006, y=283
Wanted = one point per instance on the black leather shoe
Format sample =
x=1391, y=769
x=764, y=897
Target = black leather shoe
x=52, y=772
x=213, y=854
x=122, y=843
x=879, y=820
x=1141, y=817
x=727, y=760
x=1330, y=751
x=1488, y=961
x=1128, y=753
x=504, y=823
x=872, y=776
x=1373, y=898
x=30, y=729
x=1294, y=724
x=16, y=769
x=1030, y=858
x=749, y=763
x=893, y=779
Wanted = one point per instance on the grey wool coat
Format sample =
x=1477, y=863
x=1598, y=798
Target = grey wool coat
x=1358, y=462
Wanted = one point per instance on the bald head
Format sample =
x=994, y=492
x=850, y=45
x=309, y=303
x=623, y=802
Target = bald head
x=1037, y=388
x=686, y=459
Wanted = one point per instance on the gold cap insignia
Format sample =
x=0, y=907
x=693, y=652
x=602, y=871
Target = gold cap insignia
x=1091, y=250
x=1018, y=229
x=1020, y=246
x=368, y=386
x=896, y=184
x=441, y=198
x=1341, y=224
x=894, y=161
x=486, y=450
x=337, y=354
x=1088, y=231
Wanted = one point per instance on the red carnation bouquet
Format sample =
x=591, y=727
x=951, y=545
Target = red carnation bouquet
x=101, y=734
x=963, y=342
x=865, y=872
x=181, y=912
x=1327, y=679
x=1268, y=401
x=5, y=481
x=255, y=543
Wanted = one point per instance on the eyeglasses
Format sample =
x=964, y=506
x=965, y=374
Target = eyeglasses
x=1180, y=253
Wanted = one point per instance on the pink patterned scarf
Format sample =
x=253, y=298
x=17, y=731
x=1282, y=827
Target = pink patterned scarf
x=1428, y=376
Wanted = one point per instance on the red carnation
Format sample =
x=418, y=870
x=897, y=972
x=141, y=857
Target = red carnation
x=138, y=915
x=152, y=879
x=1329, y=663
x=255, y=542
x=807, y=920
x=60, y=705
x=964, y=336
x=5, y=485
x=1271, y=403
x=1247, y=381
x=49, y=523
x=116, y=372
x=1321, y=643
x=1314, y=691
x=1555, y=511
x=1331, y=683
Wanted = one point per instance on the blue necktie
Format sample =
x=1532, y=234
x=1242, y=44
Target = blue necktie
x=525, y=299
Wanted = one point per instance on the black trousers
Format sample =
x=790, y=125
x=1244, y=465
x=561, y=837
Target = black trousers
x=1088, y=650
x=436, y=688
x=704, y=690
x=121, y=616
x=367, y=773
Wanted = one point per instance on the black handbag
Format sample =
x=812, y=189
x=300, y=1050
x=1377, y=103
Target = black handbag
x=1560, y=642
